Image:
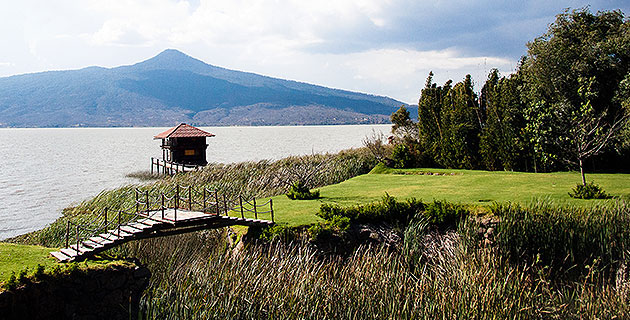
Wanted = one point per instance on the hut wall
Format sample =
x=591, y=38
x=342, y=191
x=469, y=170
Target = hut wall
x=188, y=150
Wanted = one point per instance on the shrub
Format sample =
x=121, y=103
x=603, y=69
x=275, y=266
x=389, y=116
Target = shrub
x=588, y=191
x=12, y=283
x=39, y=272
x=340, y=223
x=320, y=231
x=279, y=232
x=444, y=214
x=402, y=157
x=386, y=210
x=299, y=191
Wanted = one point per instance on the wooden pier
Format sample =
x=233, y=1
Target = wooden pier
x=171, y=168
x=157, y=214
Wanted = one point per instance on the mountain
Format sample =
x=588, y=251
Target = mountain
x=173, y=87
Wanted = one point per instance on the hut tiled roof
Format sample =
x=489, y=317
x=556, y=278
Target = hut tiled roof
x=183, y=131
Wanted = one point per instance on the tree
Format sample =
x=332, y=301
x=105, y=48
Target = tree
x=502, y=144
x=403, y=127
x=461, y=125
x=573, y=75
x=429, y=119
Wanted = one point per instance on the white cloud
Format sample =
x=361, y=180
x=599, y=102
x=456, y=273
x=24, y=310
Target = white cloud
x=375, y=46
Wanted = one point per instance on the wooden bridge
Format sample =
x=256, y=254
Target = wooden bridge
x=157, y=214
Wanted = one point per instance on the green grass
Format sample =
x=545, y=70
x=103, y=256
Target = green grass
x=16, y=257
x=472, y=187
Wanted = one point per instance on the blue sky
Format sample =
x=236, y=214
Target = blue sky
x=384, y=47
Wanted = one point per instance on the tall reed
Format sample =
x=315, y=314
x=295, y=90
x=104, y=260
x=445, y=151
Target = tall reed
x=568, y=239
x=209, y=280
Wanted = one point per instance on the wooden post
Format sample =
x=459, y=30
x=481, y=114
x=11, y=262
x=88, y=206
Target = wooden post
x=68, y=233
x=225, y=205
x=255, y=211
x=176, y=200
x=147, y=202
x=151, y=165
x=77, y=239
x=119, y=223
x=137, y=207
x=204, y=200
x=176, y=196
x=216, y=201
x=162, y=205
x=240, y=201
x=190, y=198
x=271, y=208
x=105, y=217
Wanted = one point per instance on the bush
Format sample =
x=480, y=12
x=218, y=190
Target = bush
x=588, y=191
x=280, y=232
x=320, y=231
x=402, y=157
x=12, y=283
x=386, y=210
x=340, y=223
x=39, y=272
x=443, y=214
x=299, y=191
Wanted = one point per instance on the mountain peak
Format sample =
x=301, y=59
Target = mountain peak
x=170, y=54
x=171, y=59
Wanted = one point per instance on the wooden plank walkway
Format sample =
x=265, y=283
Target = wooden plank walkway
x=157, y=223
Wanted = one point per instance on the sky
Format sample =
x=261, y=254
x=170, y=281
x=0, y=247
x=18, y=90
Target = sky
x=382, y=47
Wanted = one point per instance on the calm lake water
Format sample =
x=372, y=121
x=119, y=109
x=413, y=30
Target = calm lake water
x=43, y=171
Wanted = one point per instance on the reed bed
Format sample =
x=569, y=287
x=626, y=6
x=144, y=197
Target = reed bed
x=210, y=280
x=570, y=240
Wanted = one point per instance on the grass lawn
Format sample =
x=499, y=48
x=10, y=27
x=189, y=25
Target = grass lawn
x=472, y=187
x=16, y=257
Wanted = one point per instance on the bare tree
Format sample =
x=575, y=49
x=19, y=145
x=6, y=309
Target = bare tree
x=588, y=135
x=377, y=145
x=303, y=169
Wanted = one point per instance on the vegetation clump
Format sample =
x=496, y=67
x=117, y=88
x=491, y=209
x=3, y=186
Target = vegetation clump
x=386, y=210
x=441, y=214
x=402, y=157
x=299, y=191
x=588, y=191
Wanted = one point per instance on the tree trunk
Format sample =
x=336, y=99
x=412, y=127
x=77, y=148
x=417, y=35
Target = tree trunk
x=582, y=172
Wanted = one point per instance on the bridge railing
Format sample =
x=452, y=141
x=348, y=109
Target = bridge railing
x=103, y=224
x=203, y=200
x=149, y=202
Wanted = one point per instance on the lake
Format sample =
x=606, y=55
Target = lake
x=44, y=170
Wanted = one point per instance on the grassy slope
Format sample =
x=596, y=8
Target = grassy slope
x=465, y=186
x=16, y=257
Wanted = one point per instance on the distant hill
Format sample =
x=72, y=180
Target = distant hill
x=173, y=87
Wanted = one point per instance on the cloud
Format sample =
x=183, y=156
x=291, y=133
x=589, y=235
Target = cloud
x=374, y=46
